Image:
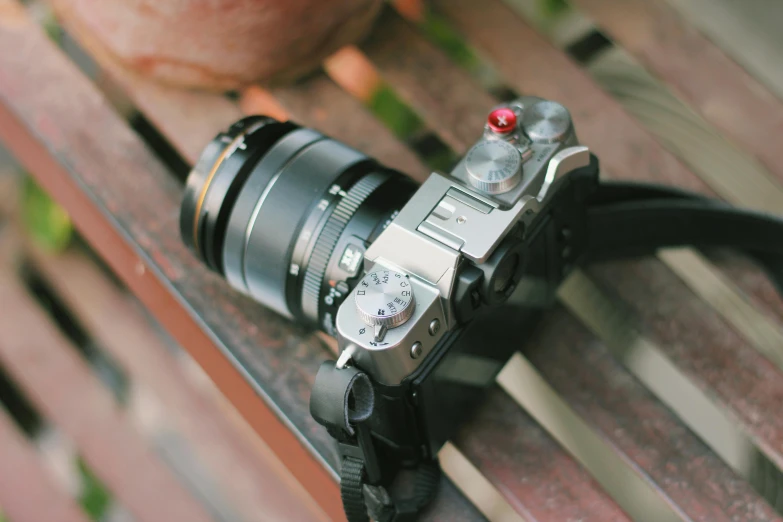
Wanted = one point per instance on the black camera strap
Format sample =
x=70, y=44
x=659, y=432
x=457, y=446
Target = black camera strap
x=634, y=219
x=343, y=401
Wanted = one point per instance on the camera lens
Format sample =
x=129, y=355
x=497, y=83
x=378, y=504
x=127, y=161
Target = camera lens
x=285, y=214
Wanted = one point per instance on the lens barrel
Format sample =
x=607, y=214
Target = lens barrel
x=285, y=214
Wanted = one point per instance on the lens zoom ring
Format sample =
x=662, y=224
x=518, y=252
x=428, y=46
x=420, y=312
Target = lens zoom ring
x=330, y=235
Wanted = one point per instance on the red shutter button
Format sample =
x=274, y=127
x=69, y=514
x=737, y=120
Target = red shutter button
x=502, y=120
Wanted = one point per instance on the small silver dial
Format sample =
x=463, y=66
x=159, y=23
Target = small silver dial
x=494, y=166
x=546, y=122
x=384, y=298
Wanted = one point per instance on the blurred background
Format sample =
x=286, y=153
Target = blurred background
x=164, y=409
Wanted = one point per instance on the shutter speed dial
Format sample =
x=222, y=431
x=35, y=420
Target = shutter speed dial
x=494, y=166
x=384, y=299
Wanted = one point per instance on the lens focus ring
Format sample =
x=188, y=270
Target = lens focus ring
x=328, y=238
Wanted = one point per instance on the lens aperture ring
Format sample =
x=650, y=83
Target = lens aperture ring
x=328, y=238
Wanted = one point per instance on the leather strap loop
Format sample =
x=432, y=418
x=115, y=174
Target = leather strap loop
x=341, y=398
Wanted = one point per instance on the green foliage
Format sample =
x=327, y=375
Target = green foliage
x=406, y=124
x=53, y=29
x=46, y=222
x=95, y=498
x=451, y=42
x=553, y=8
x=388, y=108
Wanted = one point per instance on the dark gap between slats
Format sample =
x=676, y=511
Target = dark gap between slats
x=588, y=47
x=106, y=368
x=437, y=155
x=94, y=498
x=19, y=407
x=160, y=146
x=767, y=480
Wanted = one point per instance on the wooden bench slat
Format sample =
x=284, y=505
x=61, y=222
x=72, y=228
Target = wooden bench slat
x=703, y=346
x=540, y=480
x=748, y=276
x=126, y=204
x=27, y=489
x=65, y=390
x=674, y=460
x=248, y=473
x=711, y=82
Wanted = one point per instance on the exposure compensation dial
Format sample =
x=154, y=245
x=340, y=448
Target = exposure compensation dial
x=384, y=299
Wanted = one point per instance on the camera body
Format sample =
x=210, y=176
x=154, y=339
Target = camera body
x=464, y=264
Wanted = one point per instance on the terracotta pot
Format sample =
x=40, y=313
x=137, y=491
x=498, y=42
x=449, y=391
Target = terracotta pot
x=219, y=44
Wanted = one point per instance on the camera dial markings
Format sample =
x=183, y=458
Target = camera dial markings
x=384, y=299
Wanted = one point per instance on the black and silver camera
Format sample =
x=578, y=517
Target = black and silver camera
x=430, y=289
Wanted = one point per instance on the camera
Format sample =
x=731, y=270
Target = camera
x=428, y=289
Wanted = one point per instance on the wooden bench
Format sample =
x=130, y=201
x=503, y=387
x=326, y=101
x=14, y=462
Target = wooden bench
x=711, y=317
